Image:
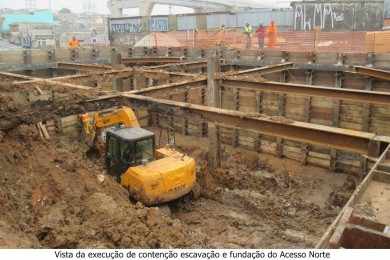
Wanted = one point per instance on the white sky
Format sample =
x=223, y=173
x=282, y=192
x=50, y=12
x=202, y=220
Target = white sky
x=100, y=6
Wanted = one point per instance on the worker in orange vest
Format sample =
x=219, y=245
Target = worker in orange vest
x=272, y=33
x=73, y=43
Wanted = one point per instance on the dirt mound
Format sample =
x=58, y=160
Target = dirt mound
x=52, y=196
x=238, y=172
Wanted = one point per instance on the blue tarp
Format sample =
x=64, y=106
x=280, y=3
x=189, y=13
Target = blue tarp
x=42, y=16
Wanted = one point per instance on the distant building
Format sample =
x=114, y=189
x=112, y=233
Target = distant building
x=29, y=29
x=39, y=17
x=32, y=35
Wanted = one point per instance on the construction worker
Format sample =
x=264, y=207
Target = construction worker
x=260, y=33
x=272, y=34
x=248, y=33
x=73, y=43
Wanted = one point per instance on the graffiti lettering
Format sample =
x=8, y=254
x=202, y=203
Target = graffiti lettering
x=317, y=16
x=298, y=17
x=159, y=24
x=126, y=26
x=327, y=14
x=337, y=16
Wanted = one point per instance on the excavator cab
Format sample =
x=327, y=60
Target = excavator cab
x=128, y=147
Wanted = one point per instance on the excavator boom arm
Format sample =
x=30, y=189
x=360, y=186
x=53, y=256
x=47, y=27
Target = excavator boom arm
x=92, y=125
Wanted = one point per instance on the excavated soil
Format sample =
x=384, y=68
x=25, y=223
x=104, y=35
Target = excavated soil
x=52, y=196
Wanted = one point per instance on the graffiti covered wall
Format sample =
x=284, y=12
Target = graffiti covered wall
x=333, y=15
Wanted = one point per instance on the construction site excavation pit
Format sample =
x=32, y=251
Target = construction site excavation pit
x=54, y=196
x=279, y=150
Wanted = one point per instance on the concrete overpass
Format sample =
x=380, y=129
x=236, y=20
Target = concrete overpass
x=146, y=6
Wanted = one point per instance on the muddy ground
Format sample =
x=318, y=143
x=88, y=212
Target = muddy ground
x=53, y=196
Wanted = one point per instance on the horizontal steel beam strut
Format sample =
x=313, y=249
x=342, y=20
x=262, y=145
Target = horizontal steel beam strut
x=189, y=64
x=375, y=73
x=371, y=97
x=349, y=140
x=203, y=64
x=151, y=73
x=120, y=73
x=16, y=76
x=163, y=88
x=157, y=89
x=266, y=69
x=55, y=82
x=82, y=67
x=151, y=60
x=331, y=137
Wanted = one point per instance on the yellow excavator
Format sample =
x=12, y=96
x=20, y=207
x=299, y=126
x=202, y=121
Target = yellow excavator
x=152, y=176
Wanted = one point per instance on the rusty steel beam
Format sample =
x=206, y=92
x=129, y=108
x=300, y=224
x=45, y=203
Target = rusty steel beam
x=120, y=73
x=331, y=137
x=375, y=73
x=52, y=83
x=62, y=81
x=59, y=82
x=159, y=90
x=189, y=64
x=370, y=97
x=162, y=74
x=203, y=64
x=151, y=60
x=163, y=89
x=33, y=82
x=14, y=76
x=82, y=67
x=264, y=70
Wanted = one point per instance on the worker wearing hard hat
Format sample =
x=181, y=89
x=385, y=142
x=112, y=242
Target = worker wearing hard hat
x=272, y=33
x=248, y=33
x=260, y=33
x=73, y=43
